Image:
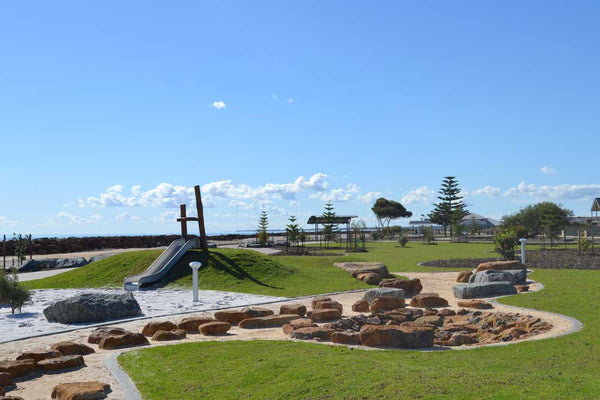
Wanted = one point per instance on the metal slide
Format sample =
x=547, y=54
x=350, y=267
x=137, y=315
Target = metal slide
x=162, y=264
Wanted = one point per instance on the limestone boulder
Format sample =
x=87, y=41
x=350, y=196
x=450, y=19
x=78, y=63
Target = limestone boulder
x=81, y=391
x=411, y=287
x=410, y=337
x=121, y=341
x=500, y=265
x=355, y=268
x=71, y=262
x=514, y=276
x=270, y=321
x=191, y=324
x=294, y=308
x=477, y=304
x=68, y=348
x=97, y=335
x=164, y=336
x=93, y=307
x=215, y=328
x=252, y=312
x=233, y=317
x=60, y=363
x=463, y=276
x=325, y=314
x=312, y=332
x=152, y=327
x=18, y=368
x=372, y=294
x=360, y=306
x=38, y=355
x=347, y=338
x=386, y=303
x=428, y=300
x=475, y=290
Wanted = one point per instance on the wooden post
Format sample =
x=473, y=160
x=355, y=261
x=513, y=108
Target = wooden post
x=4, y=252
x=182, y=213
x=199, y=207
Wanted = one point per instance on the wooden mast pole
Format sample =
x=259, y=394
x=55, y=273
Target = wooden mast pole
x=183, y=221
x=199, y=207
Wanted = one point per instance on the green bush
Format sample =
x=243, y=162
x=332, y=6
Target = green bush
x=403, y=241
x=428, y=237
x=505, y=242
x=12, y=293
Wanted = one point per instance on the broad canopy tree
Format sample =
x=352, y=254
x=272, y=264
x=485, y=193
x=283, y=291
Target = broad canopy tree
x=387, y=210
x=545, y=218
x=450, y=210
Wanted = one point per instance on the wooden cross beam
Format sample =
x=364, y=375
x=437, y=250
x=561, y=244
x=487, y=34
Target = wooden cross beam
x=200, y=218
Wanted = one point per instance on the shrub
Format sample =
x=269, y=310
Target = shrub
x=12, y=293
x=428, y=237
x=403, y=241
x=584, y=243
x=505, y=242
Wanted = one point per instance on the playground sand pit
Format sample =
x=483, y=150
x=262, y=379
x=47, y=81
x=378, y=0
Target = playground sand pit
x=39, y=387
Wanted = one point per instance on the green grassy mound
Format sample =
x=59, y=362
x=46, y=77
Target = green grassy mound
x=563, y=368
x=109, y=272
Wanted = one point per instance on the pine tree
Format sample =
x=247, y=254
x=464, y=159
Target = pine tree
x=262, y=233
x=293, y=231
x=451, y=209
x=329, y=227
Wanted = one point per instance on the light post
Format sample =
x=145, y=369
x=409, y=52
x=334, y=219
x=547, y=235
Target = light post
x=523, y=256
x=195, y=265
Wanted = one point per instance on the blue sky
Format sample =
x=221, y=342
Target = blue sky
x=110, y=112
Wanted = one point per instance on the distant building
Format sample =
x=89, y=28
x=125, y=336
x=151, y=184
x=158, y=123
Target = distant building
x=481, y=221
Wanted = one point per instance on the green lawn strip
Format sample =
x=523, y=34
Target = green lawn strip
x=109, y=272
x=565, y=367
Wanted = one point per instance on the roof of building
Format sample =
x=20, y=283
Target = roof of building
x=477, y=217
x=339, y=219
x=596, y=204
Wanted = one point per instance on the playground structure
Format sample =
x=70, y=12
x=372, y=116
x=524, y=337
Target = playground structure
x=177, y=249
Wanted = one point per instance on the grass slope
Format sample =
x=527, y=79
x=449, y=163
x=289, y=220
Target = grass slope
x=566, y=367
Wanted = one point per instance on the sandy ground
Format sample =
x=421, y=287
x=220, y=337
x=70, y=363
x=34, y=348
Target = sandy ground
x=95, y=369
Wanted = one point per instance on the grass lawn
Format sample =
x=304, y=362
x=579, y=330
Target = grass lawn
x=561, y=368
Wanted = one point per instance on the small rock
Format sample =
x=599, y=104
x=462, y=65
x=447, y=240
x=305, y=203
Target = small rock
x=72, y=348
x=297, y=323
x=214, y=328
x=295, y=308
x=191, y=324
x=38, y=355
x=231, y=316
x=320, y=305
x=163, y=336
x=318, y=299
x=372, y=294
x=347, y=338
x=360, y=306
x=463, y=276
x=257, y=312
x=411, y=287
x=126, y=340
x=430, y=320
x=370, y=278
x=60, y=363
x=522, y=288
x=271, y=321
x=6, y=379
x=428, y=300
x=386, y=303
x=97, y=335
x=18, y=368
x=396, y=336
x=152, y=327
x=477, y=304
x=324, y=315
x=81, y=391
x=313, y=332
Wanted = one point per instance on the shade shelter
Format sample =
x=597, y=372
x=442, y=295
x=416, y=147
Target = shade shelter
x=337, y=220
x=595, y=207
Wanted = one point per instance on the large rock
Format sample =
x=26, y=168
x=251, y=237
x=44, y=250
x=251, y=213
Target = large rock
x=322, y=305
x=81, y=391
x=491, y=289
x=477, y=304
x=355, y=268
x=411, y=287
x=313, y=332
x=372, y=294
x=297, y=323
x=191, y=324
x=514, y=276
x=72, y=348
x=386, y=303
x=252, y=312
x=325, y=314
x=93, y=307
x=499, y=265
x=348, y=338
x=428, y=300
x=60, y=363
x=37, y=355
x=233, y=317
x=271, y=321
x=411, y=337
x=71, y=262
x=99, y=333
x=152, y=327
x=120, y=341
x=215, y=328
x=17, y=368
x=294, y=308
x=163, y=336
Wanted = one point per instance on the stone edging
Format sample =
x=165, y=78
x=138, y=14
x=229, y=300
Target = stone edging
x=125, y=383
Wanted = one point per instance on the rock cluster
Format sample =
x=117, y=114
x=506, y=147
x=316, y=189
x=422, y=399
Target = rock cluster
x=369, y=272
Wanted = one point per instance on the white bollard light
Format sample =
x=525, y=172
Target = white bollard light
x=195, y=265
x=523, y=256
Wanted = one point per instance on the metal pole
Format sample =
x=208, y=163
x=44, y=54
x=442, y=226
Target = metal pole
x=523, y=256
x=195, y=265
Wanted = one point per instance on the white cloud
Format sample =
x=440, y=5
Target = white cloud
x=294, y=203
x=166, y=216
x=548, y=170
x=524, y=192
x=241, y=204
x=219, y=105
x=164, y=195
x=6, y=223
x=369, y=197
x=339, y=194
x=489, y=191
x=290, y=100
x=274, y=96
x=420, y=195
x=65, y=218
x=126, y=217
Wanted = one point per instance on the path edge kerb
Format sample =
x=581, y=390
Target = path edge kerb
x=125, y=383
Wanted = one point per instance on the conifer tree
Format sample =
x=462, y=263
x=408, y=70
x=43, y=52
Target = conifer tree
x=329, y=227
x=293, y=231
x=451, y=209
x=262, y=233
